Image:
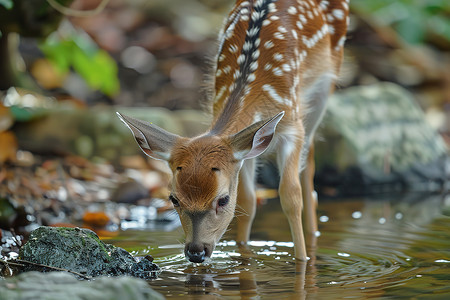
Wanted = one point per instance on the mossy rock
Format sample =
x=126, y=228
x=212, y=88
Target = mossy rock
x=80, y=250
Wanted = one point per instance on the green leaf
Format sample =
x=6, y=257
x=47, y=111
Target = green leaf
x=8, y=4
x=79, y=52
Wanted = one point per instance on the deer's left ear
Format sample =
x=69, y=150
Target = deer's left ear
x=153, y=140
x=255, y=139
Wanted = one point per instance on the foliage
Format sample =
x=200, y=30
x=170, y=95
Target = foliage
x=8, y=4
x=414, y=20
x=79, y=52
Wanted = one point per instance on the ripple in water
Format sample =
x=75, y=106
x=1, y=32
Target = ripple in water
x=356, y=256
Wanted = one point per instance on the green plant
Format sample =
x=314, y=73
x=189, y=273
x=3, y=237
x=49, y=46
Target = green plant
x=76, y=50
x=414, y=20
x=8, y=4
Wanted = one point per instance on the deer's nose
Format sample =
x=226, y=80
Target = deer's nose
x=195, y=253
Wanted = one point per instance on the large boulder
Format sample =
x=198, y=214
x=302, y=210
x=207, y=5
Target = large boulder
x=375, y=138
x=81, y=251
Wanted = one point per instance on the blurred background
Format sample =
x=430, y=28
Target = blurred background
x=66, y=67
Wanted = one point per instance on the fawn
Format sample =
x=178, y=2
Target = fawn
x=276, y=65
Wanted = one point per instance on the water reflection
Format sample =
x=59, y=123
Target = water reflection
x=406, y=254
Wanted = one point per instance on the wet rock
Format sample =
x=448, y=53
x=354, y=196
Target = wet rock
x=80, y=250
x=130, y=192
x=59, y=285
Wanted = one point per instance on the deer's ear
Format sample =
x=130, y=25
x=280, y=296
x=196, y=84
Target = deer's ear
x=255, y=139
x=153, y=140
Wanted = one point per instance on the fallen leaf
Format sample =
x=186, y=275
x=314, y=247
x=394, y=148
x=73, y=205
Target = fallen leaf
x=8, y=147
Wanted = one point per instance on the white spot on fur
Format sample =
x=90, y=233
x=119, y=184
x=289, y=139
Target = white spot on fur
x=268, y=44
x=255, y=54
x=282, y=29
x=266, y=22
x=294, y=33
x=247, y=46
x=302, y=19
x=278, y=35
x=338, y=14
x=278, y=56
x=272, y=7
x=344, y=5
x=330, y=18
x=324, y=4
x=292, y=10
x=273, y=93
x=220, y=93
x=241, y=59
x=277, y=71
x=299, y=25
x=286, y=67
x=267, y=67
x=226, y=69
x=254, y=31
x=340, y=43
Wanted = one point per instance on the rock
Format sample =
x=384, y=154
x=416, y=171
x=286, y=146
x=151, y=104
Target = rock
x=376, y=138
x=130, y=192
x=60, y=285
x=80, y=250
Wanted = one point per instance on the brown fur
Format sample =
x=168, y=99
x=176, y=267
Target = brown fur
x=195, y=165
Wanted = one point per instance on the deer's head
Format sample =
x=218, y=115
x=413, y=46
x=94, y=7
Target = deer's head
x=205, y=175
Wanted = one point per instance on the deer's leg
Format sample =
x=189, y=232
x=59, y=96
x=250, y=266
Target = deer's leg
x=246, y=201
x=315, y=98
x=309, y=198
x=290, y=192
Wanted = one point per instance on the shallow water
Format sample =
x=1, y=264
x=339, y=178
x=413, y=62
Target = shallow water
x=396, y=247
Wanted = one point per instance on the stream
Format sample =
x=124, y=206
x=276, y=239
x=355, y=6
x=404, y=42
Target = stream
x=384, y=247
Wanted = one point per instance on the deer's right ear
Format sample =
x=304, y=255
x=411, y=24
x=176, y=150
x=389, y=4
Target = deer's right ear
x=153, y=140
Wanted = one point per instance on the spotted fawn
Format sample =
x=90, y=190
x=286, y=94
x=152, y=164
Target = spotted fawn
x=276, y=66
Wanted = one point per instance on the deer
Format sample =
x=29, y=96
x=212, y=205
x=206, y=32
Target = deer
x=276, y=65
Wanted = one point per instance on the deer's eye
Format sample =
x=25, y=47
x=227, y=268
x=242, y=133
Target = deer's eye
x=223, y=201
x=174, y=201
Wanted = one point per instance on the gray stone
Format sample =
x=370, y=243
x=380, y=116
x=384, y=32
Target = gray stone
x=378, y=135
x=81, y=251
x=61, y=285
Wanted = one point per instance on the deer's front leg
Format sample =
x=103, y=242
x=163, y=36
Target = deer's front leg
x=290, y=192
x=309, y=199
x=246, y=201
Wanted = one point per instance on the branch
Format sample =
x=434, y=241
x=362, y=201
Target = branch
x=16, y=261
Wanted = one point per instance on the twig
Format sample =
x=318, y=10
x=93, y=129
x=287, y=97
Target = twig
x=52, y=268
x=7, y=263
